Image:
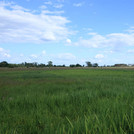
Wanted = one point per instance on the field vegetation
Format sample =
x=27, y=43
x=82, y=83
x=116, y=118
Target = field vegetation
x=67, y=101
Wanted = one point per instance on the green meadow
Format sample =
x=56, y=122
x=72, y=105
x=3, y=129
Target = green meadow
x=67, y=101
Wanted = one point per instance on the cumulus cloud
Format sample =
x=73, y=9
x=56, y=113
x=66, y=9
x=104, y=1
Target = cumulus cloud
x=60, y=0
x=18, y=24
x=99, y=56
x=68, y=41
x=92, y=33
x=66, y=56
x=130, y=51
x=113, y=40
x=121, y=38
x=43, y=52
x=1, y=49
x=38, y=56
x=58, y=5
x=43, y=7
x=130, y=30
x=94, y=41
x=33, y=56
x=4, y=54
x=52, y=12
x=108, y=51
x=44, y=57
x=48, y=3
x=78, y=4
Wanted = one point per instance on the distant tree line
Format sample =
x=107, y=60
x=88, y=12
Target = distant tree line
x=76, y=65
x=89, y=64
x=26, y=64
x=50, y=64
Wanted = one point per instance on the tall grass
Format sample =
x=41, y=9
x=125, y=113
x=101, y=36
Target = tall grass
x=81, y=101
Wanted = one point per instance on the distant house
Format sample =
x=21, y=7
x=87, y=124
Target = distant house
x=130, y=65
x=120, y=65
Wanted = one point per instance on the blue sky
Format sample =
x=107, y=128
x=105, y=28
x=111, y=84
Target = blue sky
x=67, y=31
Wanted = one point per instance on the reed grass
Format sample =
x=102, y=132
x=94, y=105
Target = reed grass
x=77, y=101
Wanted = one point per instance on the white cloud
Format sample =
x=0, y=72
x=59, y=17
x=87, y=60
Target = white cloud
x=131, y=51
x=4, y=54
x=43, y=7
x=58, y=6
x=92, y=33
x=120, y=38
x=99, y=56
x=68, y=41
x=1, y=49
x=113, y=40
x=60, y=0
x=18, y=24
x=130, y=30
x=66, y=56
x=42, y=57
x=17, y=7
x=108, y=51
x=94, y=42
x=78, y=4
x=52, y=12
x=21, y=55
x=38, y=56
x=43, y=52
x=48, y=3
x=33, y=56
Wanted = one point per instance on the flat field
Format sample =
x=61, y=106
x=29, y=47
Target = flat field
x=67, y=101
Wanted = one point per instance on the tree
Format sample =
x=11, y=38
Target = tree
x=120, y=65
x=63, y=65
x=41, y=65
x=72, y=65
x=88, y=63
x=4, y=64
x=50, y=63
x=95, y=65
x=78, y=65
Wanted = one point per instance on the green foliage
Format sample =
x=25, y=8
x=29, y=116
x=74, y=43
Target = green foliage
x=89, y=64
x=73, y=101
x=72, y=65
x=95, y=65
x=77, y=65
x=50, y=63
x=4, y=64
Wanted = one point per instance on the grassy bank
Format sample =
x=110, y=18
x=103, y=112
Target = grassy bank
x=77, y=101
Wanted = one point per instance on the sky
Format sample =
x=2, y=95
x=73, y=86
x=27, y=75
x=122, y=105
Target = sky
x=67, y=31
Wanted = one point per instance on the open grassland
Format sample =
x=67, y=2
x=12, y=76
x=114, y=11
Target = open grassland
x=70, y=101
